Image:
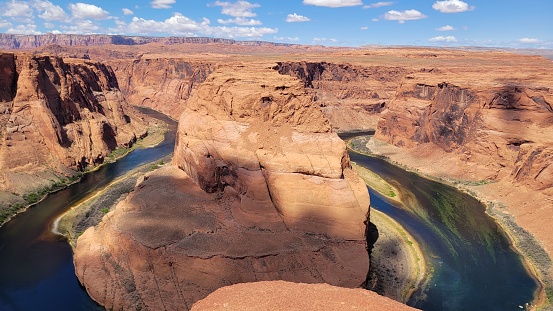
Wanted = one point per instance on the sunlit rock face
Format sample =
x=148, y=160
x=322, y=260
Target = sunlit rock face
x=58, y=114
x=260, y=189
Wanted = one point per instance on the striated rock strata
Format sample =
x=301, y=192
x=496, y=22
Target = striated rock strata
x=58, y=115
x=261, y=189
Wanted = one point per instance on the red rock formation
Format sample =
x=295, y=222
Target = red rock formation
x=269, y=195
x=279, y=295
x=163, y=84
x=351, y=96
x=57, y=115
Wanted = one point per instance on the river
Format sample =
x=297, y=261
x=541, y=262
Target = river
x=474, y=264
x=36, y=266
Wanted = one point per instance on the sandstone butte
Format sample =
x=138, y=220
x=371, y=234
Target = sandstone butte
x=471, y=116
x=57, y=116
x=260, y=189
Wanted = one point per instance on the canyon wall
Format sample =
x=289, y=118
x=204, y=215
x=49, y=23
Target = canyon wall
x=58, y=116
x=160, y=83
x=260, y=189
x=351, y=96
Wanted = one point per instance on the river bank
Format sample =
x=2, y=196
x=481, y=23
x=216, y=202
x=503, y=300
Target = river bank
x=16, y=204
x=493, y=195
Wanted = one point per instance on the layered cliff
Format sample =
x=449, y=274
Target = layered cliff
x=351, y=96
x=161, y=83
x=58, y=116
x=261, y=189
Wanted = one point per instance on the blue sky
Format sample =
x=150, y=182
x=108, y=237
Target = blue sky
x=494, y=23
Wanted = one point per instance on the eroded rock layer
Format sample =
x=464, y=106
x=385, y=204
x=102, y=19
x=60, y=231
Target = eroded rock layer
x=261, y=189
x=56, y=115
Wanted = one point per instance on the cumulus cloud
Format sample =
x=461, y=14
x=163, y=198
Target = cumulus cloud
x=181, y=25
x=84, y=27
x=18, y=10
x=452, y=6
x=238, y=9
x=240, y=21
x=82, y=11
x=322, y=40
x=528, y=40
x=333, y=3
x=402, y=16
x=295, y=18
x=29, y=29
x=445, y=28
x=443, y=39
x=364, y=28
x=127, y=11
x=377, y=5
x=49, y=11
x=162, y=4
x=4, y=24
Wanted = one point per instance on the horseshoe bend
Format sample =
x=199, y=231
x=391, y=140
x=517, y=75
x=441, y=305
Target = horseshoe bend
x=261, y=197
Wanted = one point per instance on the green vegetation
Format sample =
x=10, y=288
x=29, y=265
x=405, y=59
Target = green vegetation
x=119, y=152
x=105, y=210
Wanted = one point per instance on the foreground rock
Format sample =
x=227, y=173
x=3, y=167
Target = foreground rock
x=58, y=116
x=264, y=191
x=279, y=295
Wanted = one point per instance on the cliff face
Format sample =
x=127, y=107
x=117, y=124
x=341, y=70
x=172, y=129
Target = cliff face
x=163, y=84
x=261, y=190
x=502, y=130
x=351, y=96
x=57, y=115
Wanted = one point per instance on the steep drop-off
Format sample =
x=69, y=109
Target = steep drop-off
x=351, y=96
x=163, y=84
x=261, y=189
x=58, y=116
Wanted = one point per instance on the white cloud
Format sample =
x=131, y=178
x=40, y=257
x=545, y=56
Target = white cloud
x=364, y=28
x=29, y=29
x=17, y=9
x=333, y=3
x=288, y=39
x=4, y=24
x=295, y=18
x=377, y=5
x=443, y=39
x=401, y=17
x=85, y=11
x=445, y=28
x=50, y=11
x=84, y=27
x=238, y=9
x=375, y=20
x=452, y=6
x=181, y=25
x=49, y=25
x=528, y=40
x=127, y=11
x=240, y=21
x=162, y=4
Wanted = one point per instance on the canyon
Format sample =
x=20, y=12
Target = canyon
x=261, y=187
x=58, y=117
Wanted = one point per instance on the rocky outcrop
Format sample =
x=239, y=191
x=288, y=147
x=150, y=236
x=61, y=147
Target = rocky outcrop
x=351, y=96
x=280, y=295
x=163, y=84
x=261, y=190
x=501, y=130
x=58, y=115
